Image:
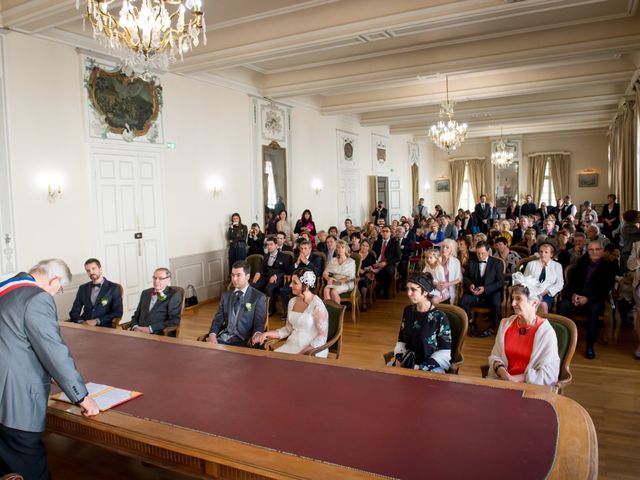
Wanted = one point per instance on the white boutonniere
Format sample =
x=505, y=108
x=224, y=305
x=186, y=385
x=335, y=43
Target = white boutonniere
x=162, y=297
x=104, y=301
x=248, y=307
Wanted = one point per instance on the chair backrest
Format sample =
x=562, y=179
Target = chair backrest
x=255, y=262
x=116, y=321
x=567, y=335
x=568, y=272
x=336, y=323
x=522, y=264
x=291, y=256
x=323, y=256
x=182, y=293
x=522, y=251
x=459, y=324
x=358, y=260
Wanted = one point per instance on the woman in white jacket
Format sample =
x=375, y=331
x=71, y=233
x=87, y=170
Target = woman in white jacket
x=526, y=347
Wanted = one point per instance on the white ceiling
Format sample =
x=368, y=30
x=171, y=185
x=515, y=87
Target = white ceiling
x=528, y=66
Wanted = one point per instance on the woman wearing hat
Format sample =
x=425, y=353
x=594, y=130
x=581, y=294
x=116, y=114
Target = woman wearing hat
x=307, y=320
x=424, y=341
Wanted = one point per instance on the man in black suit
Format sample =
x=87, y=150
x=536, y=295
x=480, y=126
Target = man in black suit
x=388, y=254
x=380, y=213
x=97, y=302
x=271, y=278
x=528, y=207
x=305, y=258
x=159, y=307
x=280, y=242
x=407, y=241
x=242, y=311
x=483, y=281
x=348, y=230
x=543, y=212
x=483, y=213
x=587, y=290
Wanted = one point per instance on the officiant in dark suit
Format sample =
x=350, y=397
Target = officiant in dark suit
x=388, y=254
x=242, y=311
x=274, y=267
x=159, y=306
x=97, y=302
x=483, y=281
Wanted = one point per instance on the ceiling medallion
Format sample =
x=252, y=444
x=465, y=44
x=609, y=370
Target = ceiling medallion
x=448, y=134
x=145, y=33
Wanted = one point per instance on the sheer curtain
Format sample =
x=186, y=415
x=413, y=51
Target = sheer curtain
x=559, y=168
x=476, y=177
x=456, y=170
x=537, y=162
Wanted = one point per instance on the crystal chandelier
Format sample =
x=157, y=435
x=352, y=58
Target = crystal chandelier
x=448, y=134
x=146, y=33
x=502, y=156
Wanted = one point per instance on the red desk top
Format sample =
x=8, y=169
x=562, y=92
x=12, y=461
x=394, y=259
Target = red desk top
x=391, y=425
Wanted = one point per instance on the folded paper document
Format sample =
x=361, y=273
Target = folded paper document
x=105, y=396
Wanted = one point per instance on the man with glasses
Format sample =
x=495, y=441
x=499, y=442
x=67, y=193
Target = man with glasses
x=388, y=254
x=159, y=306
x=97, y=302
x=586, y=291
x=32, y=353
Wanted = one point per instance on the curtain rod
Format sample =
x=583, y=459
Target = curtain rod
x=548, y=153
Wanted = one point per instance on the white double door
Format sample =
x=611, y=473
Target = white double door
x=130, y=234
x=348, y=196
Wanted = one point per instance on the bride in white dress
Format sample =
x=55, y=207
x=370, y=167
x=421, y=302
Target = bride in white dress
x=307, y=321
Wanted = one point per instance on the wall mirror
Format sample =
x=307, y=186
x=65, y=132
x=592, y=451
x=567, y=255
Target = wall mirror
x=274, y=182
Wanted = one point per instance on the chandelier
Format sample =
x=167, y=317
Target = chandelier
x=448, y=134
x=147, y=35
x=502, y=156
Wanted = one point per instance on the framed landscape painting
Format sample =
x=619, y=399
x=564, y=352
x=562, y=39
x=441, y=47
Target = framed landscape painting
x=443, y=185
x=587, y=180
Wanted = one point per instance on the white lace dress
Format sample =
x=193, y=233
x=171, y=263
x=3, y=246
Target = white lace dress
x=305, y=328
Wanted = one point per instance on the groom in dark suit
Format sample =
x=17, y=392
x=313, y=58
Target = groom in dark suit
x=97, y=302
x=159, y=306
x=483, y=282
x=242, y=311
x=271, y=278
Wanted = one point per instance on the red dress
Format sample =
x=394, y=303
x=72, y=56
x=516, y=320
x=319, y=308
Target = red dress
x=518, y=345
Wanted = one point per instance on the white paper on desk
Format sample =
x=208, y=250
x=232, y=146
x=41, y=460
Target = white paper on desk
x=105, y=396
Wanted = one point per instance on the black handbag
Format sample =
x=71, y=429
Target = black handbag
x=191, y=298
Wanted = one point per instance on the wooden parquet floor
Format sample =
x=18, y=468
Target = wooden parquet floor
x=608, y=387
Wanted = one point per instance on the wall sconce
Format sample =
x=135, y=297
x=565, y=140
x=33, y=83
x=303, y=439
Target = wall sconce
x=427, y=186
x=215, y=186
x=317, y=186
x=54, y=192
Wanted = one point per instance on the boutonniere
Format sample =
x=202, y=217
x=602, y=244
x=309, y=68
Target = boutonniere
x=104, y=301
x=248, y=307
x=162, y=297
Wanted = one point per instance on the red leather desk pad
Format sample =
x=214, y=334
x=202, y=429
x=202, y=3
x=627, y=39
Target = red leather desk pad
x=391, y=425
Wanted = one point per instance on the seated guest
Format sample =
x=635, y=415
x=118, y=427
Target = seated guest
x=366, y=275
x=464, y=251
x=340, y=273
x=307, y=319
x=355, y=240
x=348, y=229
x=331, y=244
x=587, y=290
x=549, y=227
x=306, y=221
x=579, y=246
x=407, y=241
x=159, y=307
x=274, y=267
x=448, y=229
x=483, y=281
x=543, y=211
x=530, y=241
x=593, y=233
x=546, y=276
x=281, y=243
x=333, y=230
x=451, y=267
x=255, y=241
x=588, y=215
x=562, y=253
x=526, y=346
x=321, y=242
x=528, y=207
x=510, y=257
x=424, y=340
x=242, y=311
x=513, y=210
x=432, y=266
x=434, y=235
x=387, y=251
x=305, y=258
x=97, y=302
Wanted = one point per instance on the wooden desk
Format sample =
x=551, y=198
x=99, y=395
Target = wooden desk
x=211, y=455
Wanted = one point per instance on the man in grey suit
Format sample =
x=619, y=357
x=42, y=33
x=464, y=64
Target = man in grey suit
x=159, y=307
x=241, y=313
x=31, y=352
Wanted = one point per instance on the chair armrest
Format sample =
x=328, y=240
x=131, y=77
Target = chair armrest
x=319, y=349
x=171, y=329
x=485, y=370
x=125, y=325
x=115, y=323
x=203, y=338
x=272, y=344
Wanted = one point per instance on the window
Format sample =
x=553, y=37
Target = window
x=466, y=198
x=548, y=195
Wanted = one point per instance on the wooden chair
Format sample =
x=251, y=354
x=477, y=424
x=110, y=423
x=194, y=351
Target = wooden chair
x=415, y=261
x=334, y=332
x=255, y=263
x=172, y=330
x=265, y=326
x=353, y=295
x=116, y=321
x=320, y=280
x=522, y=264
x=567, y=336
x=459, y=324
x=520, y=250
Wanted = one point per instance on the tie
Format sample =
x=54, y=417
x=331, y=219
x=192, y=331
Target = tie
x=154, y=299
x=272, y=260
x=94, y=293
x=236, y=301
x=482, y=265
x=543, y=274
x=382, y=250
